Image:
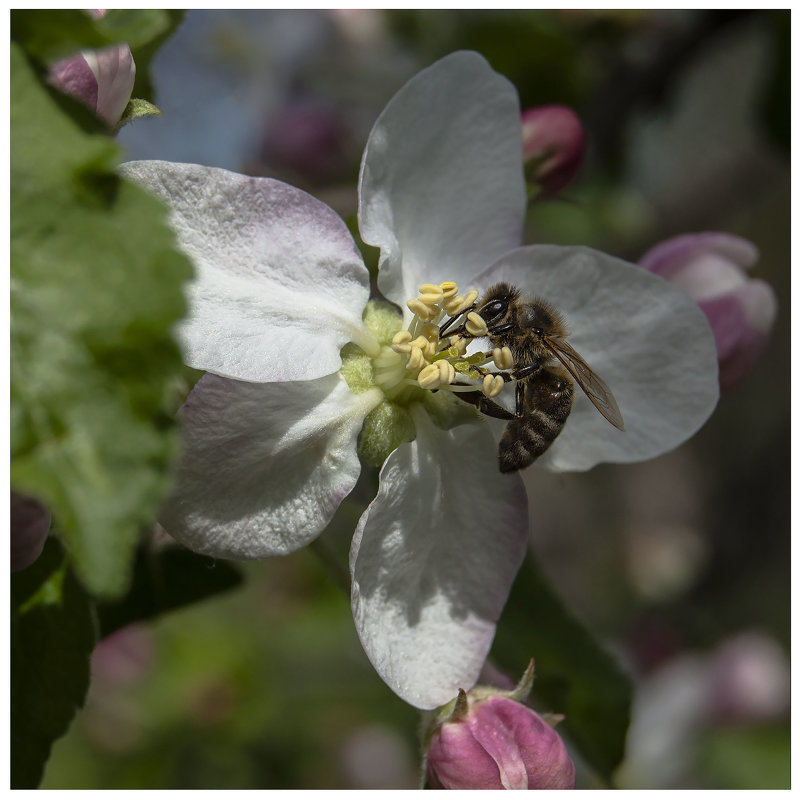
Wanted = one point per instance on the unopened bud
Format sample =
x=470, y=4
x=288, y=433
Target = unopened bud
x=553, y=144
x=30, y=524
x=100, y=79
x=712, y=269
x=499, y=744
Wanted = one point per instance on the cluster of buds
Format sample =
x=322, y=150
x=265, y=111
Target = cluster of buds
x=488, y=739
x=435, y=361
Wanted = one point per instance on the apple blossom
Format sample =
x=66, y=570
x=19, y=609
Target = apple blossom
x=712, y=269
x=304, y=373
x=100, y=79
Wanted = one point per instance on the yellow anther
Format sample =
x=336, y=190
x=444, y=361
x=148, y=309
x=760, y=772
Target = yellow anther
x=431, y=300
x=420, y=309
x=400, y=342
x=502, y=358
x=430, y=288
x=447, y=372
x=449, y=289
x=460, y=303
x=416, y=360
x=460, y=344
x=430, y=377
x=476, y=325
x=492, y=385
x=453, y=305
x=420, y=342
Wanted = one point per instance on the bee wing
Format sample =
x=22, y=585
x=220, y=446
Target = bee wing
x=595, y=389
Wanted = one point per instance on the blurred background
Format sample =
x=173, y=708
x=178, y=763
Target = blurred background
x=680, y=566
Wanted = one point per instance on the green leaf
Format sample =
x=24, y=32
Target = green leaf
x=164, y=581
x=95, y=292
x=52, y=34
x=574, y=675
x=52, y=637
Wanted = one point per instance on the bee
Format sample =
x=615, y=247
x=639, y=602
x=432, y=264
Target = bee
x=545, y=366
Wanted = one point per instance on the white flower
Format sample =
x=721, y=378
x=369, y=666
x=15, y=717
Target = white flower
x=271, y=433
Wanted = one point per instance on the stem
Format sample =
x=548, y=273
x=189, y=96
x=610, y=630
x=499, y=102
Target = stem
x=336, y=570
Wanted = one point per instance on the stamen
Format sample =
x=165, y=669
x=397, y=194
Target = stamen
x=430, y=377
x=503, y=358
x=419, y=308
x=400, y=342
x=459, y=343
x=416, y=360
x=492, y=385
x=449, y=289
x=476, y=325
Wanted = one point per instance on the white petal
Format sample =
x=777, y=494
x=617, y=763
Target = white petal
x=263, y=466
x=280, y=286
x=433, y=559
x=441, y=188
x=645, y=338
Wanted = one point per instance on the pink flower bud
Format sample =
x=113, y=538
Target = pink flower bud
x=498, y=744
x=553, y=143
x=30, y=524
x=100, y=79
x=712, y=269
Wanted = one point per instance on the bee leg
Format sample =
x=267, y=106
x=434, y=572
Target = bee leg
x=485, y=405
x=501, y=328
x=460, y=329
x=526, y=371
x=520, y=399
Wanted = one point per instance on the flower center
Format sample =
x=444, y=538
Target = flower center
x=424, y=363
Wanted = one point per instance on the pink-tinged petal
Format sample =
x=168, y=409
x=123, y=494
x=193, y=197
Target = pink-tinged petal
x=263, y=467
x=441, y=188
x=280, y=285
x=74, y=77
x=30, y=524
x=433, y=559
x=115, y=71
x=670, y=256
x=528, y=752
x=645, y=338
x=456, y=760
x=741, y=322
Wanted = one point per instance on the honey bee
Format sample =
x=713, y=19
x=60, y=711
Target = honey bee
x=545, y=366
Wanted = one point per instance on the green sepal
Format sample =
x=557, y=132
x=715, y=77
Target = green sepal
x=137, y=108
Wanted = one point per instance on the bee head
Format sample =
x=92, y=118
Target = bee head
x=495, y=303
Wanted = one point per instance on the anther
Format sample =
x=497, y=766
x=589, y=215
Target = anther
x=430, y=377
x=447, y=372
x=416, y=360
x=502, y=358
x=492, y=385
x=460, y=344
x=476, y=325
x=419, y=308
x=400, y=342
x=449, y=289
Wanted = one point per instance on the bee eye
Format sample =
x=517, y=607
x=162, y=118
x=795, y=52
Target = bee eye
x=494, y=309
